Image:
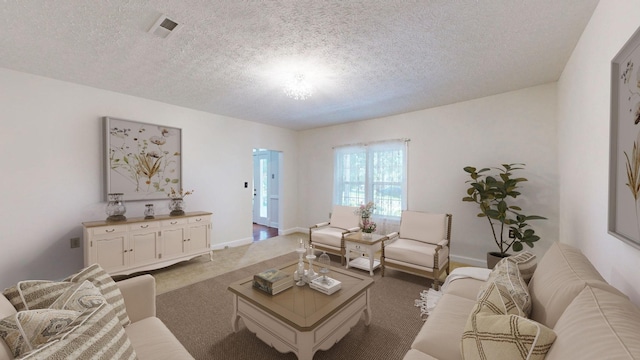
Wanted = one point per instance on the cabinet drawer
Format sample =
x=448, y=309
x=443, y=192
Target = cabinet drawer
x=174, y=222
x=144, y=226
x=105, y=230
x=198, y=219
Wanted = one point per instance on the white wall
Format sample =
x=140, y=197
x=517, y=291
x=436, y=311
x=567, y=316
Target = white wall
x=583, y=113
x=52, y=169
x=519, y=126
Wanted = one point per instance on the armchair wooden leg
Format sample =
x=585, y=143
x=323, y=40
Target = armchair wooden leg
x=436, y=284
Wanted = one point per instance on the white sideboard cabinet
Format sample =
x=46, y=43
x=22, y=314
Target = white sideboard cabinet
x=139, y=244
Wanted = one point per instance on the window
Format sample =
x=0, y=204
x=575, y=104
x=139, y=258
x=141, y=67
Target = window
x=372, y=172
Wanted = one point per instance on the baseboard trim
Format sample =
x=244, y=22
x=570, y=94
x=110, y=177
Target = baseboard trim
x=235, y=243
x=469, y=261
x=294, y=230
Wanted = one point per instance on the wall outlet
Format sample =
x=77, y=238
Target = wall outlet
x=512, y=234
x=75, y=242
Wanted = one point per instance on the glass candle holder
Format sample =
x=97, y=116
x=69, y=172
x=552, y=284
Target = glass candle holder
x=115, y=208
x=149, y=212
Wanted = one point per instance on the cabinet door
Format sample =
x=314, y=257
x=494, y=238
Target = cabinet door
x=143, y=247
x=198, y=237
x=173, y=242
x=111, y=252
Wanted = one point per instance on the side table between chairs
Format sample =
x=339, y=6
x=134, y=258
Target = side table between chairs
x=357, y=242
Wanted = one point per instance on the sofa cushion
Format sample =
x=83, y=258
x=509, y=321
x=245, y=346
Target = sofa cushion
x=414, y=354
x=415, y=252
x=465, y=287
x=153, y=340
x=27, y=330
x=561, y=275
x=95, y=334
x=507, y=274
x=441, y=333
x=598, y=324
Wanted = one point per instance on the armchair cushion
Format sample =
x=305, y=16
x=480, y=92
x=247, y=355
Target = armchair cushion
x=344, y=217
x=415, y=252
x=328, y=236
x=425, y=227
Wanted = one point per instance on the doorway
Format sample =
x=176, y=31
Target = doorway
x=266, y=193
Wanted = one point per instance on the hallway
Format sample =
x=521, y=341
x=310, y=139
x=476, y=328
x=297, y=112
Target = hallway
x=261, y=232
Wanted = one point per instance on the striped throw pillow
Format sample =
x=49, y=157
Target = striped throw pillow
x=40, y=294
x=96, y=335
x=103, y=281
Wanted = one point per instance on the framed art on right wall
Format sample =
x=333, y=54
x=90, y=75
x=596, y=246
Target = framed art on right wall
x=624, y=152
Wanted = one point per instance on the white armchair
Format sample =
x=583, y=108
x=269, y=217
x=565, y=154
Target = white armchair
x=421, y=247
x=329, y=236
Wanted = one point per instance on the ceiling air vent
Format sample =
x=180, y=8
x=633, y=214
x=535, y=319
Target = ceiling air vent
x=164, y=27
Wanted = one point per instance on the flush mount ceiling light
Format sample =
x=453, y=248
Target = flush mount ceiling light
x=298, y=87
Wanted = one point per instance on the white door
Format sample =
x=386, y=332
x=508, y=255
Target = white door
x=261, y=187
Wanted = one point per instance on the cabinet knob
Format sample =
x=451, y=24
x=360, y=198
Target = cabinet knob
x=126, y=250
x=198, y=219
x=144, y=226
x=174, y=222
x=131, y=250
x=112, y=230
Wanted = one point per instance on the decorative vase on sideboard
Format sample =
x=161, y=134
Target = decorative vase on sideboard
x=115, y=207
x=177, y=206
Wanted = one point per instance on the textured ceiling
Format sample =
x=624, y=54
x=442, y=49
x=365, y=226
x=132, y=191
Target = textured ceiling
x=364, y=58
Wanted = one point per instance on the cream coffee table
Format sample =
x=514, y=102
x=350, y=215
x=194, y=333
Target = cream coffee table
x=302, y=320
x=356, y=242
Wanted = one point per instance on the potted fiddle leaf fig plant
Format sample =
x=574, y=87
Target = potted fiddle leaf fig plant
x=493, y=192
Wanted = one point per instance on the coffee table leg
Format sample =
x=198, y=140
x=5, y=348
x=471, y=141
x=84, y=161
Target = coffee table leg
x=234, y=317
x=367, y=311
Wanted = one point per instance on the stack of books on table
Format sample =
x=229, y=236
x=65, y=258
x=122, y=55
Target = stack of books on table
x=272, y=281
x=328, y=286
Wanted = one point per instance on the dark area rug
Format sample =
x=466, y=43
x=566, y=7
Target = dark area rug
x=200, y=317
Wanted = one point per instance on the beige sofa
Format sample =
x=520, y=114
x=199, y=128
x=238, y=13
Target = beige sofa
x=150, y=338
x=591, y=319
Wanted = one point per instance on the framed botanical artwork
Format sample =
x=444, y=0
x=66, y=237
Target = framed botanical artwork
x=624, y=162
x=142, y=161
